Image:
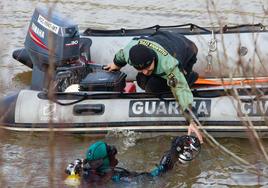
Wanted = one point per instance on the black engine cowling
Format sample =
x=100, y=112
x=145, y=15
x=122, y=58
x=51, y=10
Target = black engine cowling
x=51, y=38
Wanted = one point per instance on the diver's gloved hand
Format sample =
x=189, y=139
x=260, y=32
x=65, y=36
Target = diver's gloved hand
x=166, y=163
x=74, y=168
x=183, y=148
x=177, y=146
x=157, y=171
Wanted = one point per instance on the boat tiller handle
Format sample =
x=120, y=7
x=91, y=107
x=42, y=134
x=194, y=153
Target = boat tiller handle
x=88, y=109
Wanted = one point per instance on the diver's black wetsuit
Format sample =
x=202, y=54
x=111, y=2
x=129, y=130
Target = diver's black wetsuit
x=179, y=147
x=120, y=174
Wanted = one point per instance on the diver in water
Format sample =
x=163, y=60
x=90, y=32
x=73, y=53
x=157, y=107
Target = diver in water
x=100, y=164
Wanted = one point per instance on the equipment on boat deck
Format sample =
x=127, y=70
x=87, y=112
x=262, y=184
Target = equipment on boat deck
x=104, y=81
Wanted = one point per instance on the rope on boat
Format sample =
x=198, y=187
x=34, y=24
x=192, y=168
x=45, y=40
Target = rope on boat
x=226, y=28
x=85, y=96
x=192, y=27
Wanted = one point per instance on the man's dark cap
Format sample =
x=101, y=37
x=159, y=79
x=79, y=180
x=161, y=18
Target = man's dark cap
x=141, y=56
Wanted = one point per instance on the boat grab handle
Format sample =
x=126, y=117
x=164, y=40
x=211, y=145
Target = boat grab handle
x=88, y=109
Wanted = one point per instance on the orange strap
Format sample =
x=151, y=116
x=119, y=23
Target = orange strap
x=219, y=82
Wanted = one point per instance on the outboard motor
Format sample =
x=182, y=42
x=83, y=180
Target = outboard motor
x=53, y=41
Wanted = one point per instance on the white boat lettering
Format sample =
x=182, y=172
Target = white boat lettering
x=48, y=112
x=202, y=108
x=137, y=108
x=72, y=43
x=245, y=108
x=150, y=109
x=38, y=31
x=47, y=24
x=161, y=108
x=173, y=108
x=165, y=108
x=264, y=107
x=255, y=108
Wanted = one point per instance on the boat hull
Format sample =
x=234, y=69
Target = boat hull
x=101, y=113
x=236, y=53
x=223, y=52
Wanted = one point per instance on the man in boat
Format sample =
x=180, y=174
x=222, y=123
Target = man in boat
x=164, y=62
x=100, y=164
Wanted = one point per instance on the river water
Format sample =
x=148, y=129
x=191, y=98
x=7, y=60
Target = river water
x=38, y=160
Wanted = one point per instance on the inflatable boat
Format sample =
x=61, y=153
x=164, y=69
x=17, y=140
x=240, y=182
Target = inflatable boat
x=70, y=91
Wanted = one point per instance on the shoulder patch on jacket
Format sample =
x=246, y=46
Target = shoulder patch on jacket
x=172, y=80
x=151, y=45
